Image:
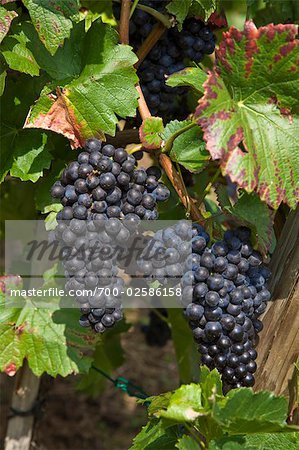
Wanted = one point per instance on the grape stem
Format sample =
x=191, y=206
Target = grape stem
x=195, y=436
x=157, y=15
x=133, y=7
x=124, y=23
x=169, y=143
x=153, y=12
x=185, y=189
x=175, y=180
x=209, y=186
x=154, y=36
x=142, y=105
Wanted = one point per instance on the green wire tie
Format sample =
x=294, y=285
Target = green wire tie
x=125, y=385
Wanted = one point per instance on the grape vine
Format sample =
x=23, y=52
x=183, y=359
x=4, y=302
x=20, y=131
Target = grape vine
x=123, y=85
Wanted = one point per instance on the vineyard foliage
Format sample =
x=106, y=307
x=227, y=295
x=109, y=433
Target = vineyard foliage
x=66, y=77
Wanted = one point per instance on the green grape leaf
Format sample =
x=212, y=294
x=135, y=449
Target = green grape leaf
x=229, y=443
x=66, y=64
x=187, y=443
x=54, y=207
x=150, y=132
x=50, y=339
x=252, y=6
x=19, y=94
x=18, y=56
x=155, y=435
x=185, y=349
x=250, y=211
x=22, y=207
x=191, y=76
x=248, y=111
x=96, y=9
x=6, y=17
x=189, y=150
x=43, y=200
x=89, y=105
x=184, y=404
x=52, y=20
x=277, y=441
x=50, y=221
x=3, y=74
x=157, y=403
x=188, y=147
x=277, y=12
x=203, y=8
x=180, y=10
x=211, y=386
x=246, y=412
x=260, y=441
x=31, y=156
x=230, y=422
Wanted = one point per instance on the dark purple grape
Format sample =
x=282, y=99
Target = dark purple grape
x=148, y=201
x=93, y=145
x=120, y=155
x=84, y=170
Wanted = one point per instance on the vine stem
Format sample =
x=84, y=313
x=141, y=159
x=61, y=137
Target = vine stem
x=142, y=105
x=124, y=23
x=145, y=113
x=175, y=180
x=185, y=189
x=209, y=186
x=154, y=36
x=153, y=12
x=195, y=436
x=134, y=6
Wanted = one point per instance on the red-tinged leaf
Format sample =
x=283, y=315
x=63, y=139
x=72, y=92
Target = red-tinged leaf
x=249, y=111
x=217, y=20
x=150, y=132
x=91, y=104
x=50, y=339
x=8, y=282
x=6, y=17
x=52, y=20
x=58, y=119
x=10, y=369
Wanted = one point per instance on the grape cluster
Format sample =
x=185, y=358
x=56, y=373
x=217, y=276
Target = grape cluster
x=89, y=261
x=157, y=332
x=104, y=183
x=168, y=56
x=164, y=59
x=104, y=197
x=196, y=40
x=223, y=292
x=227, y=285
